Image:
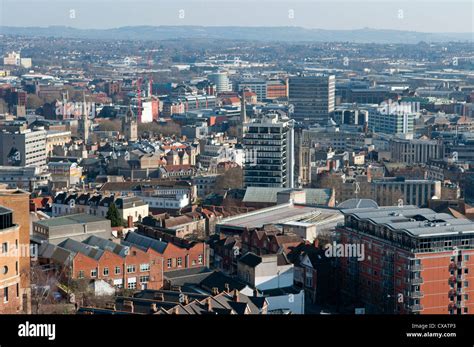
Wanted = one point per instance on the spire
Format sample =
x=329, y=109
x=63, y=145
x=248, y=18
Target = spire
x=243, y=111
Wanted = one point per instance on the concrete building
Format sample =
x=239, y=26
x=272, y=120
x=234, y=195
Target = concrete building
x=269, y=152
x=415, y=151
x=24, y=177
x=313, y=98
x=65, y=174
x=221, y=81
x=258, y=86
x=398, y=190
x=56, y=138
x=73, y=226
x=23, y=147
x=393, y=123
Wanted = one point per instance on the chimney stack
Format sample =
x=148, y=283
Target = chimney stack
x=128, y=306
x=236, y=295
x=209, y=304
x=227, y=287
x=215, y=291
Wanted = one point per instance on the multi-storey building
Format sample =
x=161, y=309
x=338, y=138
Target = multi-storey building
x=269, y=152
x=398, y=190
x=414, y=261
x=393, y=123
x=313, y=98
x=10, y=300
x=18, y=201
x=221, y=81
x=23, y=147
x=415, y=151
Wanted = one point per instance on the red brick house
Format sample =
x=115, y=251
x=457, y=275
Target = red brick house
x=122, y=266
x=176, y=253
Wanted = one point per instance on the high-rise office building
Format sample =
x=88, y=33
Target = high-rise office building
x=23, y=147
x=269, y=152
x=313, y=98
x=221, y=81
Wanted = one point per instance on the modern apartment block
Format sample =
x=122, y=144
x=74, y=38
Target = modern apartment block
x=416, y=261
x=269, y=152
x=24, y=147
x=313, y=98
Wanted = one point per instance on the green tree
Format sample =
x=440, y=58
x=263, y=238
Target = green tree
x=114, y=216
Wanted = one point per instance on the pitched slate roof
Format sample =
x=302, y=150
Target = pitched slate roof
x=108, y=245
x=146, y=242
x=250, y=259
x=79, y=247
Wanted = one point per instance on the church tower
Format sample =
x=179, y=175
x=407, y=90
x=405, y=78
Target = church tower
x=130, y=126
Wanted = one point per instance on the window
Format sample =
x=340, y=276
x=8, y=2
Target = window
x=94, y=273
x=5, y=294
x=130, y=268
x=144, y=267
x=144, y=279
x=106, y=271
x=81, y=274
x=169, y=263
x=179, y=261
x=132, y=285
x=4, y=270
x=200, y=259
x=117, y=270
x=5, y=247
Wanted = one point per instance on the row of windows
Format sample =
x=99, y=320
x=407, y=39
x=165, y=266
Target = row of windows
x=179, y=261
x=117, y=270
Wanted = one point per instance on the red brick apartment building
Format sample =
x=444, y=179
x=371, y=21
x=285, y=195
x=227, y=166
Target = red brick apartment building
x=416, y=261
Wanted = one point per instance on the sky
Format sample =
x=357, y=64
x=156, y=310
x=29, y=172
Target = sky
x=414, y=15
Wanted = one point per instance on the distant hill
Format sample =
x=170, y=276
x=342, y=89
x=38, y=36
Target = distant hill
x=288, y=34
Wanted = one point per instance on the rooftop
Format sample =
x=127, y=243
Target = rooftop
x=277, y=215
x=415, y=221
x=79, y=218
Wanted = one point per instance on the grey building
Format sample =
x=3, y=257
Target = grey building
x=23, y=147
x=393, y=123
x=269, y=152
x=313, y=98
x=76, y=226
x=415, y=151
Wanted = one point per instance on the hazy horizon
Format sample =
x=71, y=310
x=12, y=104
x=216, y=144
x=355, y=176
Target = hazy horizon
x=419, y=15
